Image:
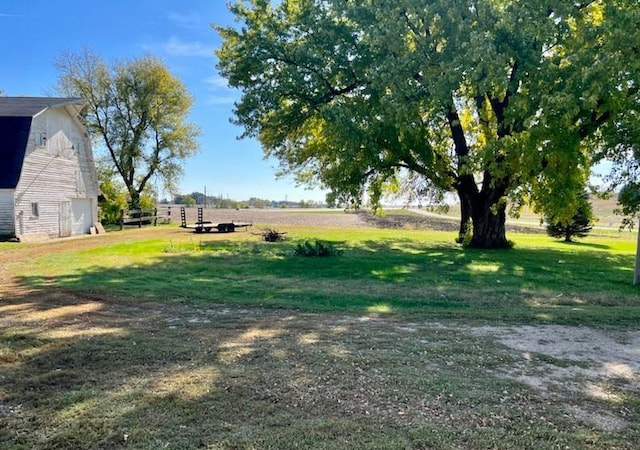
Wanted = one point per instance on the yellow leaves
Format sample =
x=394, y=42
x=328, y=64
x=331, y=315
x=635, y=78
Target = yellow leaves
x=594, y=14
x=410, y=42
x=564, y=63
x=467, y=118
x=293, y=8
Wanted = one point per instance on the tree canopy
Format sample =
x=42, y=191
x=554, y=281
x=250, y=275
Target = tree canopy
x=137, y=110
x=491, y=99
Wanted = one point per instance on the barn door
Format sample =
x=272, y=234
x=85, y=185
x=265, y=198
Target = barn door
x=65, y=219
x=82, y=217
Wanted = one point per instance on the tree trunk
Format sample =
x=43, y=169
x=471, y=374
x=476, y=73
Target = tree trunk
x=487, y=210
x=135, y=199
x=466, y=207
x=489, y=230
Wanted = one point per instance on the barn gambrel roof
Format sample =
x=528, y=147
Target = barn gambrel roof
x=32, y=106
x=16, y=114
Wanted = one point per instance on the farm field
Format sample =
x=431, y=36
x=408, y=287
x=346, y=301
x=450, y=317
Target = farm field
x=603, y=210
x=163, y=338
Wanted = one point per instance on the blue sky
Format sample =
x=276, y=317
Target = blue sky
x=34, y=33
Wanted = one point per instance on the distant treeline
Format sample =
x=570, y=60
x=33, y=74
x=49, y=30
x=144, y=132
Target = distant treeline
x=199, y=199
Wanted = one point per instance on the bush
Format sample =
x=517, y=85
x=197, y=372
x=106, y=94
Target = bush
x=114, y=199
x=111, y=205
x=318, y=249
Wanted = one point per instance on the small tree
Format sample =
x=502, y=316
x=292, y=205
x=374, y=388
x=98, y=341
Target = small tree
x=580, y=224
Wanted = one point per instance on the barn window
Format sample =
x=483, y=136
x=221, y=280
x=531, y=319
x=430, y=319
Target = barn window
x=80, y=187
x=35, y=210
x=41, y=140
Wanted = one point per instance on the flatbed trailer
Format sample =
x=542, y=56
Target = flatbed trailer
x=206, y=226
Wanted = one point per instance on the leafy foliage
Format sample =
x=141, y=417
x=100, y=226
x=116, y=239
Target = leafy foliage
x=580, y=224
x=492, y=100
x=137, y=110
x=113, y=202
x=629, y=201
x=319, y=248
x=186, y=200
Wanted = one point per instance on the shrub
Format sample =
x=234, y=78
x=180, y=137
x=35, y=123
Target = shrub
x=111, y=205
x=318, y=249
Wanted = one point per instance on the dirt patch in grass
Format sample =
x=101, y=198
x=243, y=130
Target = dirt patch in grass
x=421, y=219
x=581, y=367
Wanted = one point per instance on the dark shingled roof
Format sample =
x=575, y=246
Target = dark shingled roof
x=31, y=106
x=15, y=124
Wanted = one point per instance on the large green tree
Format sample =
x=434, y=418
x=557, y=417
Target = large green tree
x=624, y=156
x=137, y=109
x=622, y=134
x=491, y=99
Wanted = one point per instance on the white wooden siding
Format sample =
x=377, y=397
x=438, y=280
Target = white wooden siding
x=7, y=217
x=65, y=219
x=59, y=171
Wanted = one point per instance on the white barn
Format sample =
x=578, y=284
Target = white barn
x=48, y=181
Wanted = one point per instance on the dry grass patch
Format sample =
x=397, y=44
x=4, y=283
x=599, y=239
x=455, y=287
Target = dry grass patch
x=78, y=374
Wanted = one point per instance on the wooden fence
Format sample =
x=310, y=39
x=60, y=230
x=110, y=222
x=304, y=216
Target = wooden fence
x=139, y=217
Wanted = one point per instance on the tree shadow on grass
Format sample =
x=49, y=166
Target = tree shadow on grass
x=578, y=244
x=400, y=276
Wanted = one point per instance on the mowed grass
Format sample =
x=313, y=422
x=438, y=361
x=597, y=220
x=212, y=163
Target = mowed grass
x=175, y=340
x=394, y=272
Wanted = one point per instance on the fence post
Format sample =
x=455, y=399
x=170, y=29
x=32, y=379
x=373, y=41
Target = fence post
x=155, y=216
x=121, y=219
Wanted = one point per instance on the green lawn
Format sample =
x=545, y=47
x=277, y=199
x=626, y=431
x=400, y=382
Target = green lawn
x=406, y=273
